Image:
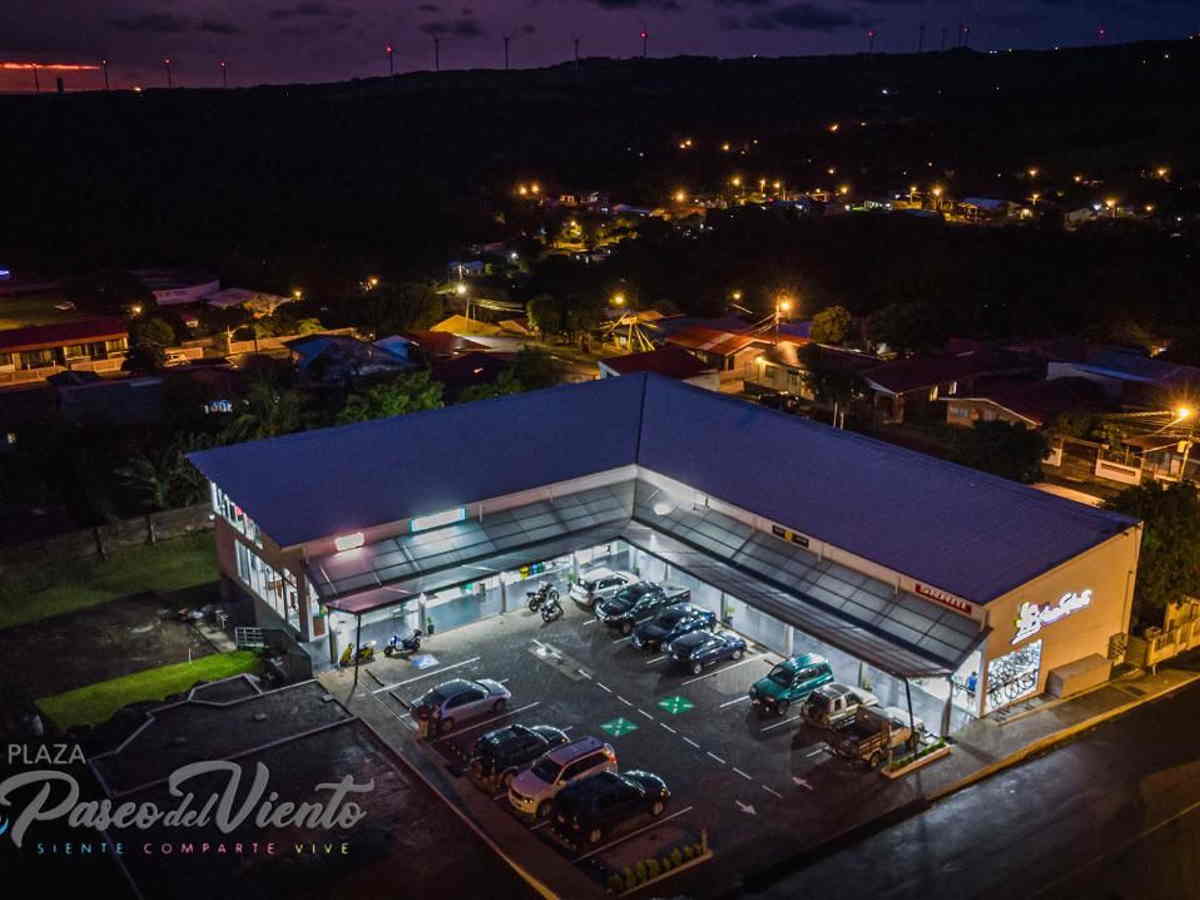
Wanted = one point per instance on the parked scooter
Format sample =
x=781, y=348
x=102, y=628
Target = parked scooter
x=404, y=646
x=364, y=655
x=551, y=609
x=543, y=594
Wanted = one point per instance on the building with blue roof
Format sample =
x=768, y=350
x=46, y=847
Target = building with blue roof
x=801, y=536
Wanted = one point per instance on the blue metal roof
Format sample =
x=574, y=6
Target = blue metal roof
x=955, y=528
x=340, y=480
x=961, y=530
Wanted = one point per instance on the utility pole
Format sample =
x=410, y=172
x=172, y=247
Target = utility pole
x=575, y=40
x=645, y=36
x=437, y=53
x=921, y=38
x=170, y=75
x=963, y=33
x=224, y=75
x=507, y=39
x=391, y=62
x=104, y=66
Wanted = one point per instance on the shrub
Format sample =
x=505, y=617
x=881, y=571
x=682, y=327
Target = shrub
x=615, y=883
x=640, y=871
x=652, y=868
x=676, y=856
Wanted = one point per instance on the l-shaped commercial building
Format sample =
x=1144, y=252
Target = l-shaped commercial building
x=969, y=590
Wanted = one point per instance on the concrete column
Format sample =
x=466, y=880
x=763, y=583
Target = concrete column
x=947, y=708
x=503, y=595
x=789, y=640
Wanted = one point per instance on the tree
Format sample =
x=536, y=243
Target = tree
x=1169, y=562
x=162, y=478
x=1007, y=449
x=535, y=368
x=149, y=339
x=267, y=410
x=411, y=392
x=831, y=325
x=543, y=314
x=907, y=328
x=830, y=385
x=504, y=385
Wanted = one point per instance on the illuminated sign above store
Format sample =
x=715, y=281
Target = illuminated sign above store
x=1032, y=616
x=942, y=597
x=348, y=541
x=437, y=520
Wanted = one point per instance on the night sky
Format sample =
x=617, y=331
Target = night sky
x=329, y=40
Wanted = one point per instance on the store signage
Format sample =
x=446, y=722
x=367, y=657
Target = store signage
x=943, y=598
x=780, y=532
x=420, y=523
x=1032, y=616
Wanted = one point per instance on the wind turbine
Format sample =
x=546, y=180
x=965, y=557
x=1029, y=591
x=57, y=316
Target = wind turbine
x=170, y=76
x=645, y=36
x=391, y=64
x=224, y=74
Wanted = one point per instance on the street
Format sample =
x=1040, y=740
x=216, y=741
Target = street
x=1112, y=814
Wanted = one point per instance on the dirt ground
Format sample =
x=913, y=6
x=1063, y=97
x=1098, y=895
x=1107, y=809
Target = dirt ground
x=81, y=648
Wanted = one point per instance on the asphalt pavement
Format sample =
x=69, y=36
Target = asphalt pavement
x=1114, y=814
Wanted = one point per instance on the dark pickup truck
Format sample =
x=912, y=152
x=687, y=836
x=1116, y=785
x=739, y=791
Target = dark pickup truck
x=638, y=602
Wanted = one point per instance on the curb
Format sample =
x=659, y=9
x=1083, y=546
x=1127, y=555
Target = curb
x=1050, y=740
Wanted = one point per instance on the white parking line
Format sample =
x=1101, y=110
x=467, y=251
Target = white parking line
x=584, y=674
x=769, y=791
x=589, y=622
x=646, y=714
x=623, y=640
x=633, y=834
x=693, y=743
x=816, y=752
x=540, y=825
x=670, y=729
x=726, y=669
x=601, y=684
x=500, y=796
x=741, y=699
x=623, y=700
x=743, y=774
x=438, y=671
x=651, y=662
x=505, y=680
x=507, y=712
x=717, y=758
x=782, y=722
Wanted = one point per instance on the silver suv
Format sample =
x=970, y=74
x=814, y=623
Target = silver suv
x=533, y=791
x=599, y=583
x=453, y=701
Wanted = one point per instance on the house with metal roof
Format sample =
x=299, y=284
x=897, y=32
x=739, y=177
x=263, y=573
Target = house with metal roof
x=796, y=533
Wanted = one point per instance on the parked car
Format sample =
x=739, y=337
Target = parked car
x=790, y=681
x=453, y=701
x=599, y=584
x=635, y=603
x=503, y=753
x=833, y=704
x=698, y=649
x=873, y=733
x=594, y=806
x=673, y=622
x=533, y=791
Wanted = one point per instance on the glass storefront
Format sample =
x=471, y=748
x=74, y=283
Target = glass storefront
x=1013, y=676
x=274, y=587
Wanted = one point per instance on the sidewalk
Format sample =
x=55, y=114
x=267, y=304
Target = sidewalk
x=986, y=746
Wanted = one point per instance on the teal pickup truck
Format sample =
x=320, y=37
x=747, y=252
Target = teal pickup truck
x=791, y=681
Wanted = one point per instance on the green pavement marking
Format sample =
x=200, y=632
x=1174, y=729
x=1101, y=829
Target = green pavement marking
x=675, y=705
x=618, y=727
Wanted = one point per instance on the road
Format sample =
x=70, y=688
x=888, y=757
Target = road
x=1115, y=814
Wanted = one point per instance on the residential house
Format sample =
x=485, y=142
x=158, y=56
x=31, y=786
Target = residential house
x=732, y=355
x=336, y=358
x=782, y=367
x=908, y=387
x=423, y=347
x=31, y=354
x=1032, y=403
x=457, y=373
x=671, y=361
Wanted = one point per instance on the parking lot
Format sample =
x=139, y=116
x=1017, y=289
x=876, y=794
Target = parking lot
x=762, y=790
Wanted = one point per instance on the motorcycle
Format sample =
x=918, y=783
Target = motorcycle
x=403, y=646
x=364, y=655
x=543, y=594
x=552, y=610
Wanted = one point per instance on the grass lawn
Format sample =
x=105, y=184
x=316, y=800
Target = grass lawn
x=97, y=702
x=62, y=587
x=35, y=309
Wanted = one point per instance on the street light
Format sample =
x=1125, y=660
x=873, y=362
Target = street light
x=460, y=289
x=618, y=299
x=680, y=196
x=736, y=296
x=297, y=294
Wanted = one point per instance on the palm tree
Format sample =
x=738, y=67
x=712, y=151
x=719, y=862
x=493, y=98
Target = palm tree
x=162, y=478
x=266, y=411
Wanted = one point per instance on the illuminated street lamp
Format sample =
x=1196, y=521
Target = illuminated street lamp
x=297, y=294
x=681, y=196
x=736, y=181
x=460, y=289
x=1033, y=172
x=618, y=299
x=1110, y=203
x=783, y=305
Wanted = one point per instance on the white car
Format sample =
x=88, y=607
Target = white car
x=533, y=791
x=599, y=583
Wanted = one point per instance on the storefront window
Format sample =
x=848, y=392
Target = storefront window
x=277, y=589
x=1013, y=676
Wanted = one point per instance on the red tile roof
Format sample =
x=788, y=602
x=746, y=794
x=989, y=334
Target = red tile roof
x=442, y=343
x=674, y=362
x=43, y=337
x=901, y=375
x=722, y=343
x=1039, y=401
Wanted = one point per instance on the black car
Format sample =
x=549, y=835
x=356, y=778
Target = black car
x=704, y=648
x=503, y=753
x=673, y=622
x=592, y=807
x=632, y=604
